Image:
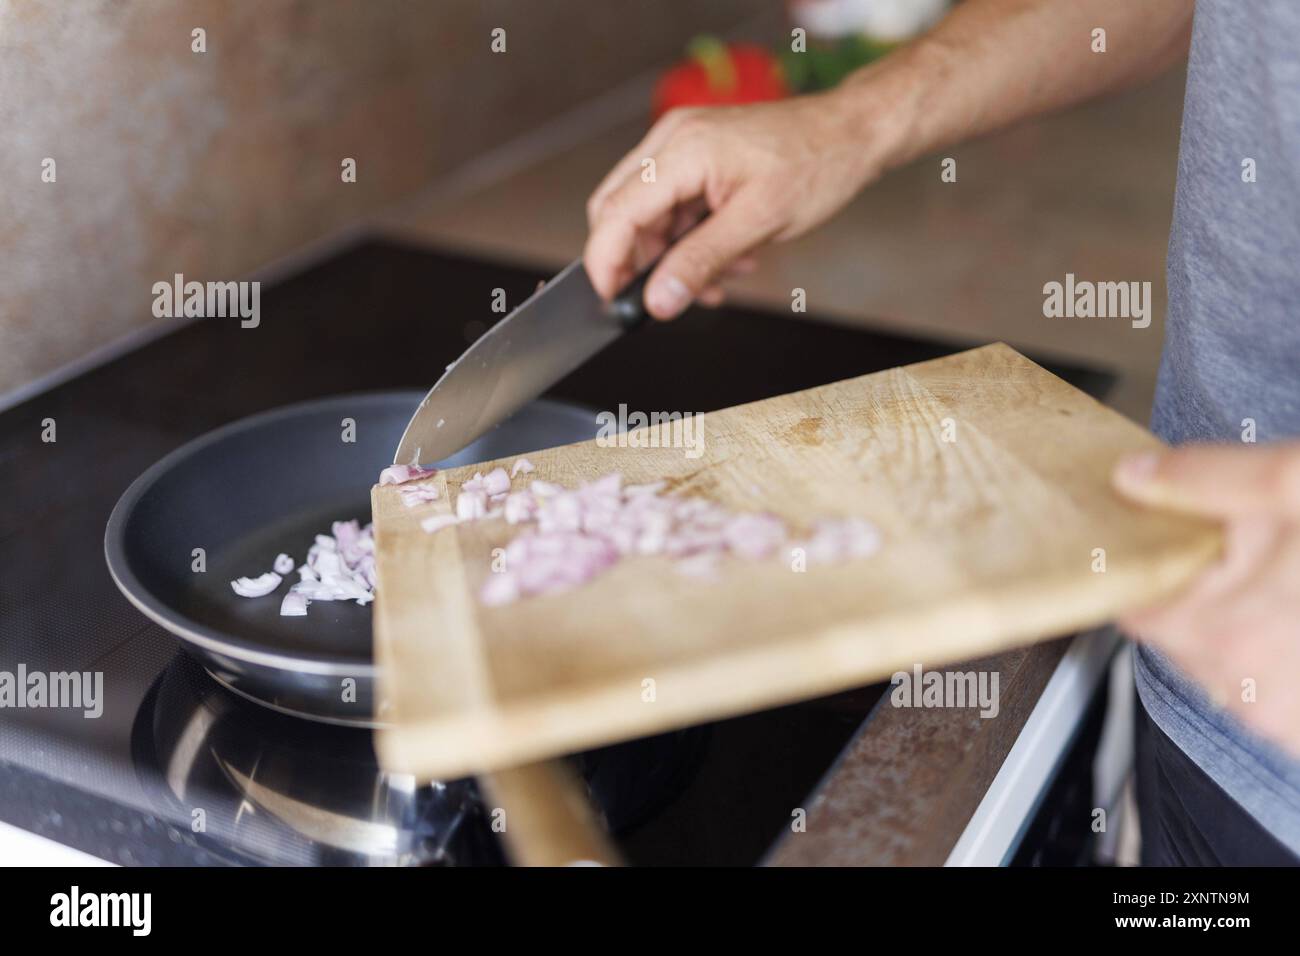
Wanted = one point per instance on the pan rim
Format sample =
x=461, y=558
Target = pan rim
x=193, y=634
x=186, y=629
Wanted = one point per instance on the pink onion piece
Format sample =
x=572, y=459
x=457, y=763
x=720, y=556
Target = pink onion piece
x=414, y=495
x=340, y=566
x=753, y=536
x=520, y=506
x=259, y=586
x=522, y=466
x=569, y=536
x=544, y=489
x=471, y=505
x=400, y=474
x=496, y=482
x=538, y=563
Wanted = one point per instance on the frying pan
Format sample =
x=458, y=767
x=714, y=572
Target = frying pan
x=269, y=484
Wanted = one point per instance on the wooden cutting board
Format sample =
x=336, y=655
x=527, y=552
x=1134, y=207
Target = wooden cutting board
x=988, y=477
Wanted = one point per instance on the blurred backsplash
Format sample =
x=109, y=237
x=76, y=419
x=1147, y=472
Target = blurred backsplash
x=211, y=164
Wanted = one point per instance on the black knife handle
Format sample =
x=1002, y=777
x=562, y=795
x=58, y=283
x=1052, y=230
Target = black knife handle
x=628, y=307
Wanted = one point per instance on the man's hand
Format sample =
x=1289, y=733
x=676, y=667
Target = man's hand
x=769, y=171
x=775, y=170
x=1240, y=621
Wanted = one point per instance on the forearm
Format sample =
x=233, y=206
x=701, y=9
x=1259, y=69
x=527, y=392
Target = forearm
x=991, y=63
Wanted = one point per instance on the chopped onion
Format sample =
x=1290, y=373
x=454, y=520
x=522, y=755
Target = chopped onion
x=496, y=482
x=400, y=474
x=414, y=495
x=259, y=586
x=545, y=489
x=753, y=536
x=520, y=506
x=471, y=504
x=340, y=567
x=570, y=536
x=540, y=562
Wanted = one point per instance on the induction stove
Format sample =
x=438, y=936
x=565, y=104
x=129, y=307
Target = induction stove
x=177, y=770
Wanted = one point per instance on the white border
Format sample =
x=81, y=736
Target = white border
x=19, y=847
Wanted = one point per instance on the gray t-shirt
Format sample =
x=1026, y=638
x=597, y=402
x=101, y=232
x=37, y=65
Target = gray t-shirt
x=1232, y=338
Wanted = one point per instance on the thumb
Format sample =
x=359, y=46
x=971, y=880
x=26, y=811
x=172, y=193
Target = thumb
x=1218, y=480
x=699, y=258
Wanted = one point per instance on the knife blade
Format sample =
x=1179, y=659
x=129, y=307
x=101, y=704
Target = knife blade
x=549, y=335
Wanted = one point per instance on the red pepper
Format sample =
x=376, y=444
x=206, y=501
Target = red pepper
x=719, y=73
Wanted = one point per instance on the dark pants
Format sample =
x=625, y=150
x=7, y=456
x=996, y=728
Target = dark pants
x=1187, y=819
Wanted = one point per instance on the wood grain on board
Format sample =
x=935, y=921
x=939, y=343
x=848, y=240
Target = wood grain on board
x=987, y=476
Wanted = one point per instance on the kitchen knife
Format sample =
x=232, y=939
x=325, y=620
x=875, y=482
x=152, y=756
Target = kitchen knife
x=558, y=328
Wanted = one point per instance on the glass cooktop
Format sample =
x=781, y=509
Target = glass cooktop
x=173, y=769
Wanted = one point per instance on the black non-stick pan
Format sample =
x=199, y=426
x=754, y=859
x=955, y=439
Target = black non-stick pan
x=224, y=505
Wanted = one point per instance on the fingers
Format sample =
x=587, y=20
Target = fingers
x=694, y=263
x=633, y=209
x=1237, y=621
x=649, y=145
x=1236, y=629
x=1217, y=480
x=745, y=265
x=613, y=260
x=1250, y=547
x=712, y=297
